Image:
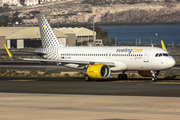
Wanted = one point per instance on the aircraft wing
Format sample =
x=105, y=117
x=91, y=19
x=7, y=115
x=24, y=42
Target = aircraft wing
x=111, y=64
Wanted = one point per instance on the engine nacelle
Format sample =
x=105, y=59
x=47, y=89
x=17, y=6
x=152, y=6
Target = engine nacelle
x=145, y=73
x=98, y=71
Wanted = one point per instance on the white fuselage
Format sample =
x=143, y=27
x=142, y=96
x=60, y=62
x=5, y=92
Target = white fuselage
x=124, y=58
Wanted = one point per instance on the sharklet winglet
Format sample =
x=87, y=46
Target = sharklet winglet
x=163, y=46
x=9, y=53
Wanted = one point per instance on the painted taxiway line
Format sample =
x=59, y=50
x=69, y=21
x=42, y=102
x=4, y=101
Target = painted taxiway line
x=22, y=80
x=166, y=83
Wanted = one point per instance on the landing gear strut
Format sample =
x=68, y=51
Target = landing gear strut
x=122, y=76
x=154, y=75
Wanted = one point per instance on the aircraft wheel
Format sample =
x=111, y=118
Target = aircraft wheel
x=120, y=77
x=154, y=79
x=87, y=78
x=125, y=76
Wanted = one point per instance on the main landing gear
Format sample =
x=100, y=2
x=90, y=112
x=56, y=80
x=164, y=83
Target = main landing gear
x=154, y=75
x=122, y=76
x=87, y=78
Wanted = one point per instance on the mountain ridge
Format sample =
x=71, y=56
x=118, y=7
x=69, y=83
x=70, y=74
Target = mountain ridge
x=79, y=11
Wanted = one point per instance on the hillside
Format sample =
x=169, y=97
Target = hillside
x=104, y=12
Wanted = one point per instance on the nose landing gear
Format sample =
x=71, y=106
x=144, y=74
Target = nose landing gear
x=154, y=75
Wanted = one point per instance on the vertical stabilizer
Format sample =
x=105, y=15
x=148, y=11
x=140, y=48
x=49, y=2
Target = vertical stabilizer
x=48, y=38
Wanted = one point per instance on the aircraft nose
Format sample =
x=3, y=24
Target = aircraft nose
x=171, y=62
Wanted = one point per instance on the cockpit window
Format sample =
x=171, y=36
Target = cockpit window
x=165, y=54
x=156, y=54
x=162, y=54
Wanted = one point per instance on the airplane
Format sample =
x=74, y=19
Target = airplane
x=100, y=61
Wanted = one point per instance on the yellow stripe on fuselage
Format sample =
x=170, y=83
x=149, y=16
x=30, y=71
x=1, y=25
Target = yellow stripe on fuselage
x=7, y=51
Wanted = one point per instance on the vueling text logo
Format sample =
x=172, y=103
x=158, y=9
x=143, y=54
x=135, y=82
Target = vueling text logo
x=129, y=50
x=137, y=50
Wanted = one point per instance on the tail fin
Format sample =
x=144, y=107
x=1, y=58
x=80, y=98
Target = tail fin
x=48, y=38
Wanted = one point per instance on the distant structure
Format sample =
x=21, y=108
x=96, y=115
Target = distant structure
x=31, y=2
x=29, y=37
x=10, y=2
x=75, y=35
x=24, y=37
x=26, y=2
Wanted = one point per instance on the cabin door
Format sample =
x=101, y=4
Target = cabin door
x=146, y=55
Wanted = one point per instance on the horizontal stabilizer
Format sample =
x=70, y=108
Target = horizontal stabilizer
x=29, y=52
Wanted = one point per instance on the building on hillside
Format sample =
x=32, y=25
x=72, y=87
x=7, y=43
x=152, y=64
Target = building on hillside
x=31, y=2
x=10, y=2
x=27, y=2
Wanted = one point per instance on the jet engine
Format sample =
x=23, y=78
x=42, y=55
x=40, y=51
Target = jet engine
x=98, y=71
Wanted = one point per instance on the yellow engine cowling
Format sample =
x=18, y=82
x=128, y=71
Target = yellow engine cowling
x=98, y=71
x=145, y=73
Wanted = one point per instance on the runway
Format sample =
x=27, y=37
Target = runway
x=34, y=98
x=74, y=99
x=77, y=86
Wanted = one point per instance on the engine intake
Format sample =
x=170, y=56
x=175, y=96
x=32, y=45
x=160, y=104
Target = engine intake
x=98, y=71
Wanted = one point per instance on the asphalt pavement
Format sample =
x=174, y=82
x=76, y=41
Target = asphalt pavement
x=111, y=86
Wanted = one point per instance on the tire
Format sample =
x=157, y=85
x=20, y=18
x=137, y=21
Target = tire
x=120, y=77
x=125, y=76
x=87, y=78
x=154, y=79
